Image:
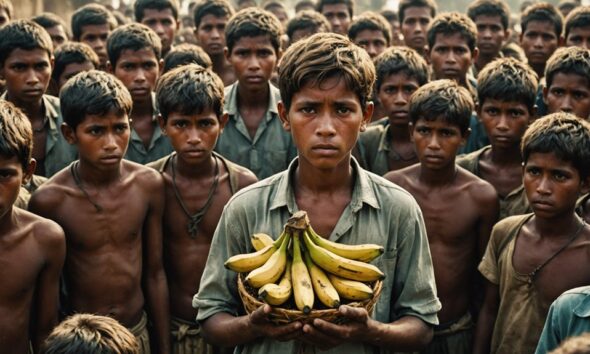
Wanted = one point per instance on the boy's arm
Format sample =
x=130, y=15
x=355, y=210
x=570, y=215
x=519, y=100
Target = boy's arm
x=487, y=319
x=156, y=287
x=46, y=301
x=490, y=208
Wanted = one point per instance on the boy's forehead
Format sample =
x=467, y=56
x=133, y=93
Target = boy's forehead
x=450, y=39
x=19, y=55
x=157, y=13
x=436, y=122
x=10, y=162
x=95, y=29
x=417, y=12
x=540, y=26
x=549, y=160
x=503, y=103
x=262, y=40
x=137, y=55
x=316, y=90
x=488, y=19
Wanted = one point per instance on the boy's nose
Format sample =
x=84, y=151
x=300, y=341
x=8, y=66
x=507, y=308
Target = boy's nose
x=566, y=104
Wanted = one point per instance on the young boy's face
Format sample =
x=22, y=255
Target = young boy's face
x=27, y=74
x=211, y=34
x=552, y=185
x=539, y=41
x=254, y=60
x=12, y=177
x=163, y=23
x=504, y=121
x=96, y=37
x=325, y=121
x=338, y=16
x=138, y=70
x=490, y=34
x=451, y=57
x=372, y=41
x=58, y=35
x=193, y=136
x=578, y=37
x=568, y=93
x=394, y=95
x=436, y=142
x=415, y=25
x=71, y=70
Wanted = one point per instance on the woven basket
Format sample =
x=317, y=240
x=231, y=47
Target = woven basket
x=284, y=316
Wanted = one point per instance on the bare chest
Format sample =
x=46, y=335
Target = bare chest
x=20, y=265
x=144, y=128
x=503, y=180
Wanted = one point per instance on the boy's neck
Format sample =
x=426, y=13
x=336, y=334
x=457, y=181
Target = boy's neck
x=88, y=174
x=439, y=177
x=33, y=110
x=309, y=179
x=253, y=98
x=142, y=109
x=483, y=60
x=506, y=156
x=399, y=133
x=539, y=69
x=7, y=222
x=219, y=63
x=203, y=169
x=560, y=227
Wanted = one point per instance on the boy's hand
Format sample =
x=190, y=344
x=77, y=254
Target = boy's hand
x=326, y=335
x=263, y=327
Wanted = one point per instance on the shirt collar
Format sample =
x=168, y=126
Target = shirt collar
x=583, y=309
x=50, y=112
x=232, y=100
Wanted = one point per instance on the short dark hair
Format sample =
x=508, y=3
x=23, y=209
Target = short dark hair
x=450, y=23
x=133, y=36
x=544, y=12
x=563, y=134
x=490, y=8
x=90, y=334
x=405, y=4
x=91, y=14
x=579, y=17
x=349, y=5
x=568, y=60
x=189, y=89
x=323, y=56
x=565, y=5
x=252, y=22
x=401, y=59
x=7, y=6
x=16, y=134
x=370, y=21
x=445, y=100
x=25, y=35
x=301, y=4
x=93, y=93
x=141, y=5
x=513, y=50
x=217, y=8
x=307, y=19
x=186, y=53
x=507, y=79
x=389, y=15
x=50, y=20
x=72, y=52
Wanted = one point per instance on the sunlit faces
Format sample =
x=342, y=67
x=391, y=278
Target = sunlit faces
x=568, y=93
x=539, y=41
x=71, y=70
x=96, y=37
x=491, y=34
x=436, y=142
x=338, y=16
x=414, y=27
x=253, y=60
x=163, y=23
x=504, y=121
x=27, y=74
x=578, y=37
x=451, y=57
x=58, y=35
x=372, y=41
x=325, y=121
x=394, y=95
x=12, y=177
x=139, y=71
x=210, y=34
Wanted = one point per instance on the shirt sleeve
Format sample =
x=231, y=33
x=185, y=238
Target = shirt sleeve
x=550, y=337
x=488, y=266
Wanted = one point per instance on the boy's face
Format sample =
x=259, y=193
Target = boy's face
x=254, y=60
x=394, y=94
x=490, y=34
x=163, y=23
x=211, y=34
x=436, y=142
x=12, y=177
x=138, y=70
x=568, y=93
x=71, y=70
x=552, y=185
x=451, y=57
x=193, y=136
x=372, y=41
x=504, y=121
x=58, y=35
x=338, y=16
x=414, y=27
x=578, y=37
x=539, y=41
x=299, y=34
x=325, y=121
x=280, y=13
x=27, y=74
x=96, y=37
x=101, y=140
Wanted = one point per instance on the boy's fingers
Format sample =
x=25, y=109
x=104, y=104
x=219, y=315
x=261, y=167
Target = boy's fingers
x=260, y=316
x=357, y=314
x=318, y=338
x=330, y=329
x=289, y=332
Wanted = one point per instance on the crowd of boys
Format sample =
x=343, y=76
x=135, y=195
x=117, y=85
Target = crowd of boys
x=136, y=156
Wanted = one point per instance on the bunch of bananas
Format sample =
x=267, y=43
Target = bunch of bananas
x=302, y=263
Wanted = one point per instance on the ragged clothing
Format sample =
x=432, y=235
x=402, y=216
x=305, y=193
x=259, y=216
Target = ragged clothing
x=452, y=338
x=187, y=339
x=140, y=331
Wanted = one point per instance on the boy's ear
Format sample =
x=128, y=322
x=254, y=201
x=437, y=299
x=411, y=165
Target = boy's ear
x=284, y=116
x=161, y=65
x=585, y=184
x=411, y=131
x=465, y=137
x=367, y=115
x=226, y=54
x=28, y=172
x=545, y=92
x=507, y=34
x=478, y=111
x=68, y=133
x=474, y=55
x=161, y=123
x=223, y=121
x=110, y=68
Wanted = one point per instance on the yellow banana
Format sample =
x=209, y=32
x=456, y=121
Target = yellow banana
x=322, y=286
x=243, y=263
x=277, y=294
x=272, y=270
x=351, y=289
x=364, y=253
x=302, y=288
x=261, y=240
x=343, y=267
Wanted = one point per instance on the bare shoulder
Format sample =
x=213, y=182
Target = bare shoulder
x=480, y=190
x=47, y=232
x=403, y=176
x=52, y=193
x=145, y=176
x=245, y=177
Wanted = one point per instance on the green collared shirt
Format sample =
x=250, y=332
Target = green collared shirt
x=159, y=147
x=374, y=147
x=272, y=148
x=379, y=212
x=58, y=152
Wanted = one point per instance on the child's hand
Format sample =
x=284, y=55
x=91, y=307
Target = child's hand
x=326, y=335
x=260, y=324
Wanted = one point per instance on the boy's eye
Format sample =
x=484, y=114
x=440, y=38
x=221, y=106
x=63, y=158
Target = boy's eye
x=180, y=124
x=95, y=131
x=557, y=92
x=560, y=176
x=516, y=113
x=580, y=95
x=343, y=110
x=307, y=110
x=206, y=123
x=409, y=89
x=447, y=132
x=533, y=171
x=19, y=67
x=422, y=130
x=424, y=21
x=121, y=128
x=492, y=111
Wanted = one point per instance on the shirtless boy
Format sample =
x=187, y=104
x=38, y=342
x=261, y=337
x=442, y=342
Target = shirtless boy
x=199, y=182
x=32, y=249
x=325, y=114
x=506, y=91
x=459, y=208
x=114, y=237
x=532, y=259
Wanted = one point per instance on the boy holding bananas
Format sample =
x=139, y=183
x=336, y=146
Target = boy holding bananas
x=325, y=84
